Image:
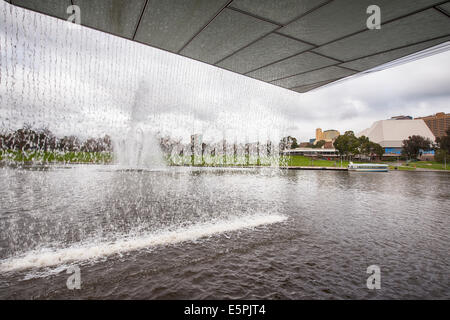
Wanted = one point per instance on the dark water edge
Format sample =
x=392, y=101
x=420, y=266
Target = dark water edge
x=338, y=223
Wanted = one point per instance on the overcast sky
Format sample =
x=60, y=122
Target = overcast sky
x=417, y=88
x=77, y=80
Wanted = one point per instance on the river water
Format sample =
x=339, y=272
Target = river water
x=182, y=233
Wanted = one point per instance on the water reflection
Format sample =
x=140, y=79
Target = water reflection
x=337, y=224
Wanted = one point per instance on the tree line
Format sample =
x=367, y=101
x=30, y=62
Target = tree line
x=349, y=145
x=415, y=145
x=29, y=139
x=290, y=142
x=443, y=147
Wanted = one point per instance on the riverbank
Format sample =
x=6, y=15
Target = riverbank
x=306, y=162
x=294, y=162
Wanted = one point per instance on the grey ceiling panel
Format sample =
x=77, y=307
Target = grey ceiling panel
x=55, y=8
x=309, y=87
x=171, y=24
x=416, y=28
x=303, y=62
x=271, y=48
x=326, y=40
x=113, y=16
x=382, y=58
x=325, y=74
x=445, y=7
x=279, y=11
x=228, y=32
x=344, y=17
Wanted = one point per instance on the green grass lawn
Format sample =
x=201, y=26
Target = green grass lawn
x=302, y=161
x=294, y=161
x=56, y=156
x=429, y=165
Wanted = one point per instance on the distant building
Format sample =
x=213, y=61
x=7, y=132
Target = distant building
x=313, y=152
x=391, y=133
x=401, y=118
x=304, y=144
x=438, y=123
x=312, y=141
x=328, y=145
x=327, y=136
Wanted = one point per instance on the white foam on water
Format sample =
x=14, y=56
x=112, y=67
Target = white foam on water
x=53, y=257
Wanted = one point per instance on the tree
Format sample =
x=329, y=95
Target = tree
x=46, y=140
x=319, y=144
x=369, y=148
x=167, y=144
x=106, y=143
x=288, y=143
x=29, y=139
x=90, y=145
x=23, y=139
x=70, y=143
x=4, y=140
x=97, y=145
x=414, y=144
x=347, y=144
x=376, y=149
x=364, y=146
x=443, y=143
x=441, y=156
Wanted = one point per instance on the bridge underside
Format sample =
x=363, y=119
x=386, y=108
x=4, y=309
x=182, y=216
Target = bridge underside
x=296, y=44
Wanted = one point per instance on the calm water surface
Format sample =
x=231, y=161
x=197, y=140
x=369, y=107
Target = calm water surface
x=223, y=233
